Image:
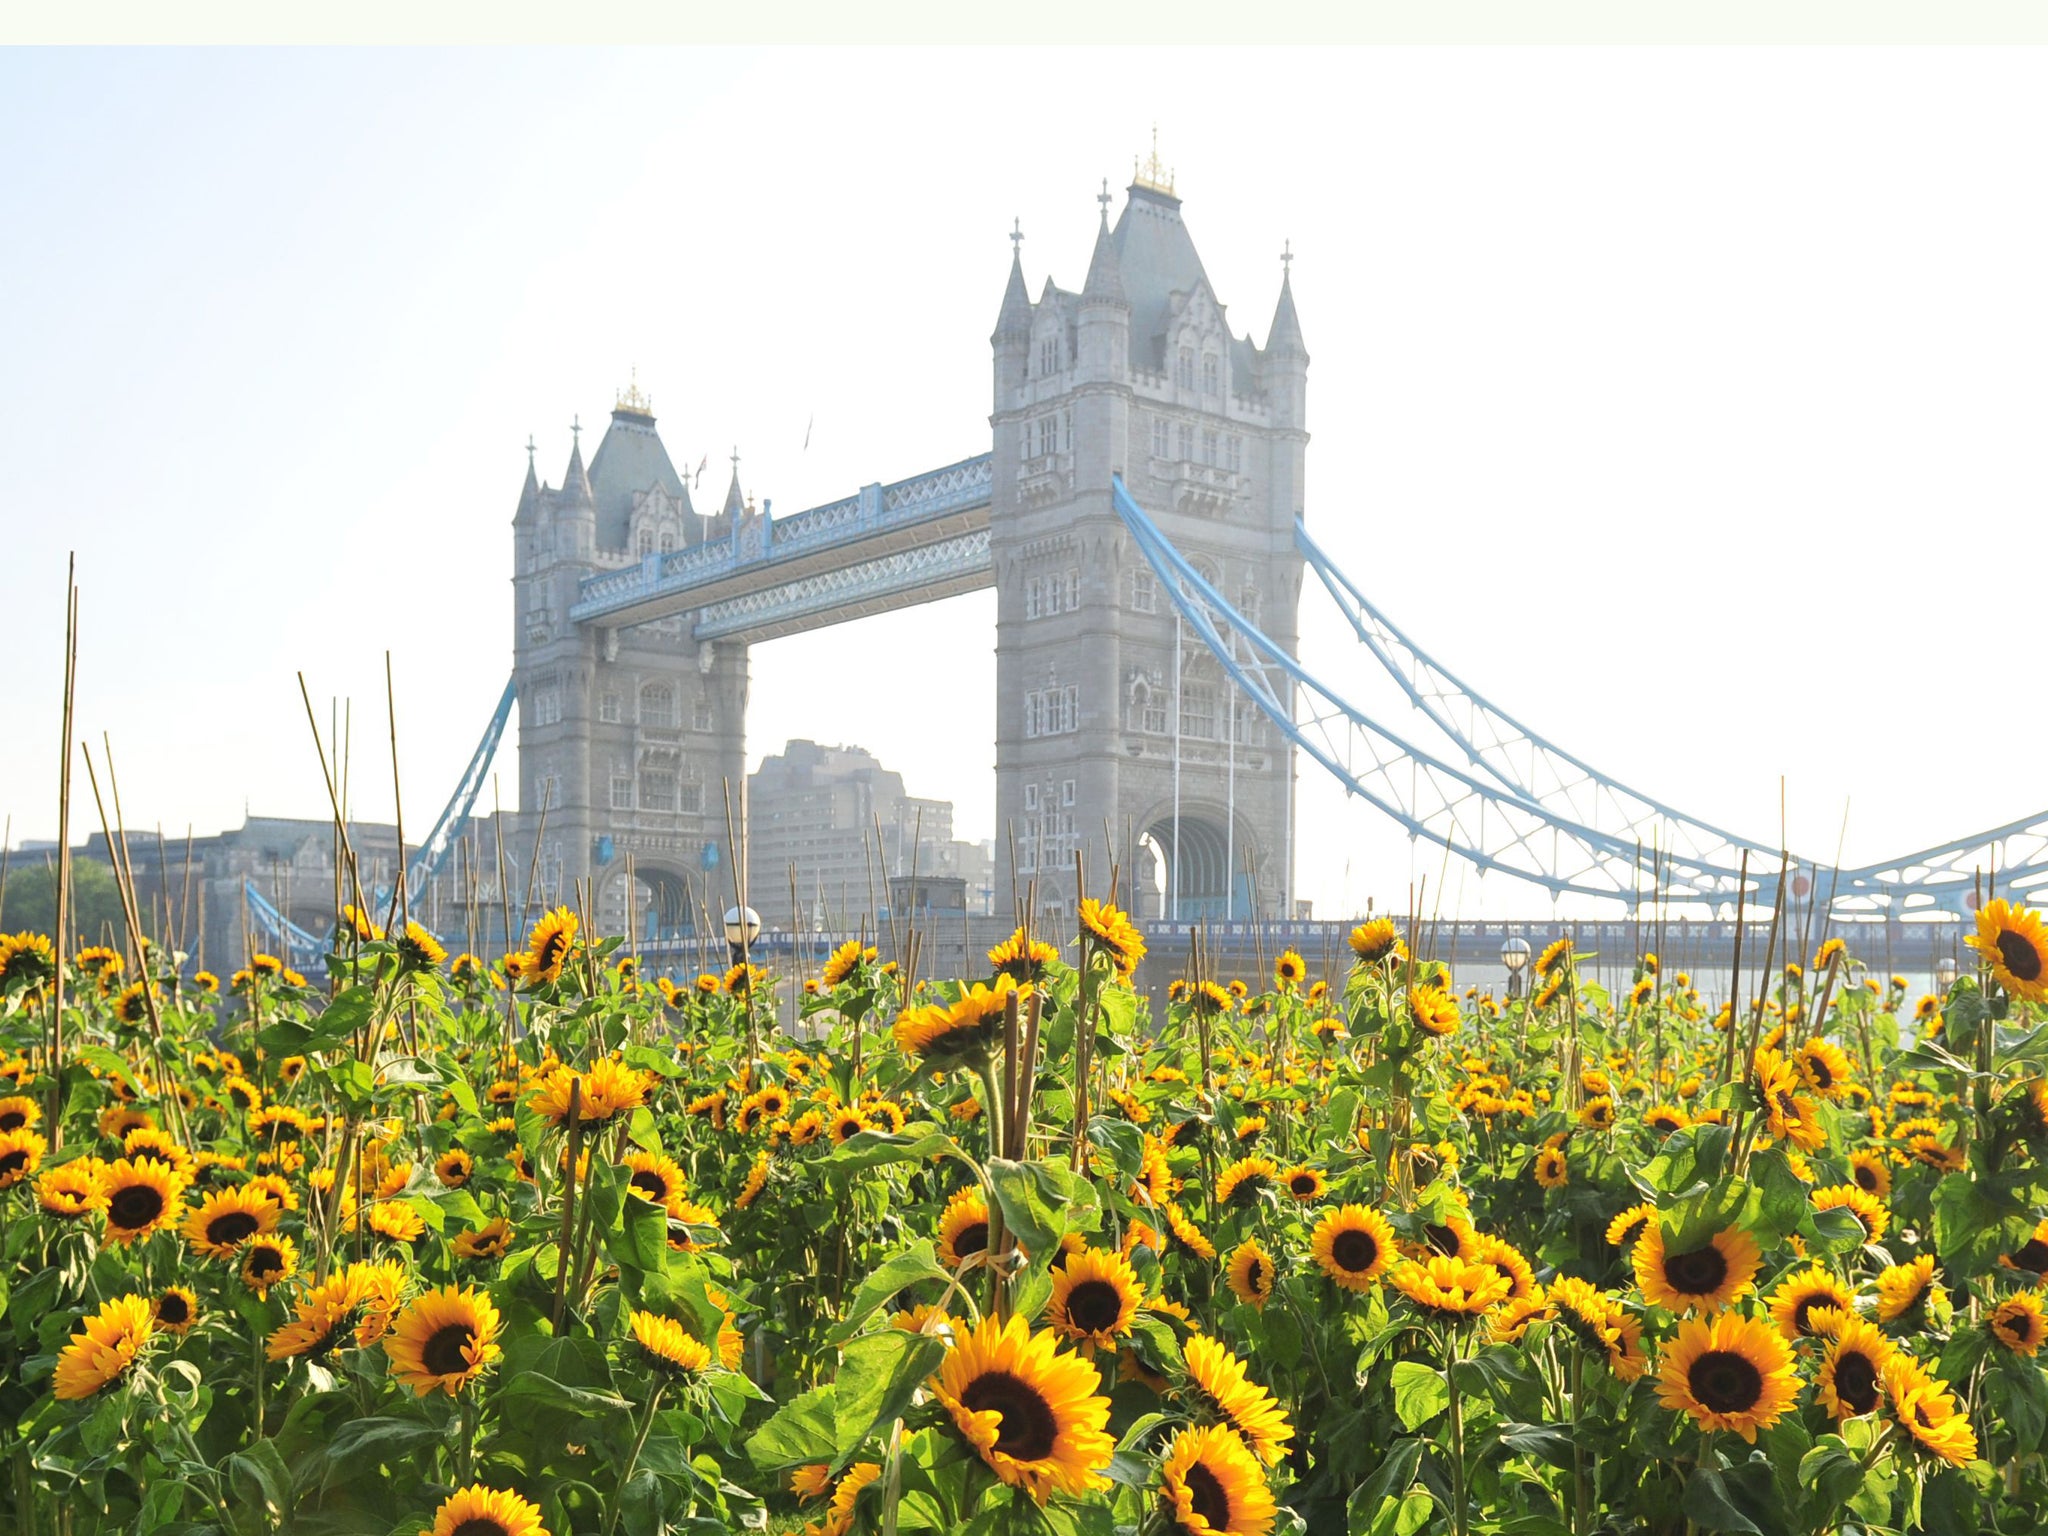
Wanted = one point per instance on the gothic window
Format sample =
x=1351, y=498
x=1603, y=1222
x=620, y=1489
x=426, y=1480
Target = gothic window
x=1144, y=590
x=1153, y=723
x=1184, y=368
x=1034, y=597
x=657, y=791
x=1049, y=355
x=1048, y=436
x=622, y=791
x=1248, y=601
x=1197, y=710
x=668, y=541
x=1161, y=443
x=643, y=546
x=1186, y=443
x=700, y=715
x=1070, y=708
x=1233, y=453
x=1141, y=702
x=1209, y=448
x=547, y=707
x=1250, y=724
x=693, y=799
x=657, y=705
x=1212, y=374
x=1030, y=797
x=1073, y=590
x=1066, y=791
x=608, y=708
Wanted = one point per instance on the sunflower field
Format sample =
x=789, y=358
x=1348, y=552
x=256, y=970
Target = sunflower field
x=551, y=1244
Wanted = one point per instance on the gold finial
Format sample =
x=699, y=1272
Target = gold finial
x=1153, y=176
x=631, y=399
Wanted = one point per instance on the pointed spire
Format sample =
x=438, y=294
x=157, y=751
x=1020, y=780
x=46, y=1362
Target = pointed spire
x=1285, y=334
x=575, y=479
x=529, y=493
x=1014, y=319
x=1105, y=274
x=735, y=504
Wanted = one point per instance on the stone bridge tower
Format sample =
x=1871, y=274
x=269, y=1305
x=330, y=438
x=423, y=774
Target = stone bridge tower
x=627, y=736
x=1117, y=734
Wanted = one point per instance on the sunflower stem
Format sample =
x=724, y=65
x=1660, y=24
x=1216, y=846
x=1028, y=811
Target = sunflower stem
x=611, y=1517
x=1459, y=1524
x=466, y=1469
x=256, y=1360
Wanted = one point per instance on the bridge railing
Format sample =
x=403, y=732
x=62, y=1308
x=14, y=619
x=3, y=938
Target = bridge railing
x=767, y=540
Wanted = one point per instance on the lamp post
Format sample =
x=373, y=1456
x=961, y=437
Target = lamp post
x=1514, y=954
x=742, y=927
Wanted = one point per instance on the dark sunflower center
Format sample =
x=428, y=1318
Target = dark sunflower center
x=1866, y=1178
x=135, y=1206
x=1094, y=1306
x=1802, y=1315
x=1632, y=1231
x=973, y=1238
x=551, y=953
x=1252, y=1273
x=652, y=1185
x=13, y=1119
x=12, y=1162
x=1443, y=1239
x=265, y=1260
x=1354, y=1250
x=1921, y=1418
x=1207, y=1493
x=481, y=1526
x=2020, y=1326
x=2019, y=955
x=230, y=1228
x=442, y=1353
x=1302, y=1184
x=171, y=1310
x=2033, y=1255
x=1028, y=1428
x=1725, y=1381
x=1698, y=1272
x=1248, y=1187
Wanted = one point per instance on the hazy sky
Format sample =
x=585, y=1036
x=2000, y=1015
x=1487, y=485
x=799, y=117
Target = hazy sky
x=1690, y=403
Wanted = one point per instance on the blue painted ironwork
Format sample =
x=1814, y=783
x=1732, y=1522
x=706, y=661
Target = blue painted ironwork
x=301, y=950
x=432, y=854
x=926, y=572
x=765, y=542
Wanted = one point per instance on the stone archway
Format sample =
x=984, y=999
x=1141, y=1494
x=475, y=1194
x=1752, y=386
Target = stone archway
x=1209, y=884
x=665, y=902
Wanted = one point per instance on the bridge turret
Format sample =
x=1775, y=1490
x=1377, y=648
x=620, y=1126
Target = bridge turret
x=1012, y=338
x=1103, y=340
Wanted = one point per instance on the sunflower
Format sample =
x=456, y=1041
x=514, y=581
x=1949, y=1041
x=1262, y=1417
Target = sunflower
x=454, y=1167
x=1108, y=931
x=1303, y=1183
x=1623, y=1231
x=419, y=950
x=1210, y=1000
x=142, y=1195
x=670, y=1347
x=1666, y=1118
x=1432, y=1010
x=1375, y=940
x=1451, y=1238
x=547, y=946
x=1860, y=1203
x=1188, y=1233
x=358, y=1298
x=657, y=1177
x=71, y=1189
x=1508, y=1260
x=486, y=1242
x=1823, y=1065
x=756, y=1181
x=610, y=1088
x=1214, y=1485
x=1289, y=970
x=175, y=1309
x=810, y=1482
x=1851, y=1377
x=18, y=1112
x=1901, y=1288
x=1241, y=1182
x=2018, y=1323
x=1250, y=1272
x=1794, y=1117
x=267, y=1260
x=963, y=1227
x=1601, y=1325
x=106, y=1344
x=1022, y=958
x=227, y=1216
x=1511, y=1320
x=2011, y=942
x=1705, y=1278
x=397, y=1221
x=847, y=959
x=1218, y=1380
x=1597, y=1113
x=1871, y=1174
x=1353, y=1246
x=444, y=1338
x=1551, y=1169
x=1728, y=1372
x=1925, y=1408
x=21, y=1153
x=961, y=1033
x=132, y=1006
x=26, y=957
x=1796, y=1297
x=1094, y=1297
x=1450, y=1289
x=480, y=1511
x=1030, y=1409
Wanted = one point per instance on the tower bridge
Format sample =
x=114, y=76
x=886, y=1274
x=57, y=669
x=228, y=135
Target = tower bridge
x=1140, y=511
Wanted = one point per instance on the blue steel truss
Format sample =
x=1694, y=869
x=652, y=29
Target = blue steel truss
x=301, y=950
x=431, y=855
x=921, y=575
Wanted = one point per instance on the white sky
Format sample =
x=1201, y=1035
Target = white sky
x=1689, y=403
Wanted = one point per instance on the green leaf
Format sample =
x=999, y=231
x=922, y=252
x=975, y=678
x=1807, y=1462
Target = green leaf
x=916, y=1264
x=1035, y=1199
x=874, y=1149
x=878, y=1375
x=262, y=1466
x=531, y=1386
x=1420, y=1393
x=1551, y=1443
x=1708, y=1505
x=1830, y=1473
x=379, y=1440
x=641, y=1241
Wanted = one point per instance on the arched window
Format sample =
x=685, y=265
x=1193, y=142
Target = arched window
x=643, y=546
x=657, y=704
x=1212, y=374
x=1184, y=368
x=668, y=539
